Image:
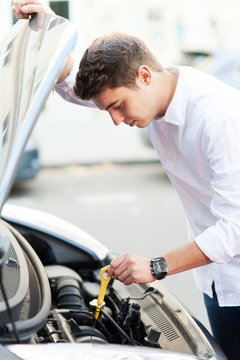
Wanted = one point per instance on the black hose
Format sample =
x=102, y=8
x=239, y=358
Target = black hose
x=150, y=291
x=124, y=335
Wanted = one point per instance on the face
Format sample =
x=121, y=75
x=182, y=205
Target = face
x=132, y=106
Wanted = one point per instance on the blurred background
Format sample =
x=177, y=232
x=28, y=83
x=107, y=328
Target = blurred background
x=177, y=31
x=108, y=179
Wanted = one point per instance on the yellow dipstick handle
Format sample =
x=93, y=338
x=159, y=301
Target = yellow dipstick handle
x=104, y=283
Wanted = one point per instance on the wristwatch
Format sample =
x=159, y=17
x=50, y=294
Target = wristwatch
x=159, y=267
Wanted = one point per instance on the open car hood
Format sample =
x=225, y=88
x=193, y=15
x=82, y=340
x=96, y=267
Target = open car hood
x=30, y=62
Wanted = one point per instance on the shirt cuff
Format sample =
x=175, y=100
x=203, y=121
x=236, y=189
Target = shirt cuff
x=216, y=248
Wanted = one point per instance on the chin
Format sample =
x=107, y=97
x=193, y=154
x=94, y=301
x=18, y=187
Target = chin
x=144, y=123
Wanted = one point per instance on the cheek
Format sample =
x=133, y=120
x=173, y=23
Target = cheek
x=128, y=111
x=135, y=109
x=147, y=108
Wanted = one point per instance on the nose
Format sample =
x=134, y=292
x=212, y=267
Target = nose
x=117, y=118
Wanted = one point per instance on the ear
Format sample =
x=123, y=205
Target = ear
x=144, y=74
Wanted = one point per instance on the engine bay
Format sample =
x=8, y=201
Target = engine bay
x=54, y=302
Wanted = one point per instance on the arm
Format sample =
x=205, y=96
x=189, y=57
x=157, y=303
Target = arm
x=67, y=69
x=185, y=258
x=129, y=268
x=22, y=9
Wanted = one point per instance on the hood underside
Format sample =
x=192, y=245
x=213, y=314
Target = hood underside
x=30, y=62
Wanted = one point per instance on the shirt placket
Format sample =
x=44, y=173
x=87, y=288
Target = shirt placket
x=172, y=152
x=170, y=157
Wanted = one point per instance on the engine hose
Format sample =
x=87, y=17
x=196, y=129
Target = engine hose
x=69, y=293
x=124, y=335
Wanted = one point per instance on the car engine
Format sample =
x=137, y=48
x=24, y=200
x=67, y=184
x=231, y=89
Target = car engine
x=72, y=318
x=71, y=314
x=52, y=289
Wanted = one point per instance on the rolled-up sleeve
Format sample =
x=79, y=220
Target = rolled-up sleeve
x=221, y=242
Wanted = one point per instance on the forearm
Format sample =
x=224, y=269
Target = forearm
x=185, y=258
x=67, y=68
x=130, y=268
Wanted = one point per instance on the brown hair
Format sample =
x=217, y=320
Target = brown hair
x=112, y=61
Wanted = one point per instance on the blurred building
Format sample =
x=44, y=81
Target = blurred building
x=169, y=27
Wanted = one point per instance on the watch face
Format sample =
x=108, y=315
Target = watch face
x=159, y=268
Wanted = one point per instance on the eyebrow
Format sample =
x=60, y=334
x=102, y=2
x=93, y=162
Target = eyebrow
x=110, y=105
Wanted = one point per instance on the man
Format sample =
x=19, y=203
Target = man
x=194, y=124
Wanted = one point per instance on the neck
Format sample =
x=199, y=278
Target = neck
x=166, y=84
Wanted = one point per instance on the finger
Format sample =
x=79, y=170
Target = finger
x=115, y=263
x=121, y=269
x=123, y=275
x=16, y=10
x=18, y=5
x=128, y=280
x=28, y=2
x=29, y=9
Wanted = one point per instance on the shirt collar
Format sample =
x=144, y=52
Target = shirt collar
x=176, y=110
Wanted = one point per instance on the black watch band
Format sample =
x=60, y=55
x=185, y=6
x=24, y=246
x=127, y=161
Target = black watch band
x=159, y=267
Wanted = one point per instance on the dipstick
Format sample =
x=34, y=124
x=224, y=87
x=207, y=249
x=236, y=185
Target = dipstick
x=104, y=283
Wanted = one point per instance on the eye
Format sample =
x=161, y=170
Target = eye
x=118, y=107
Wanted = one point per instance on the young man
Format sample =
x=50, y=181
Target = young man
x=194, y=124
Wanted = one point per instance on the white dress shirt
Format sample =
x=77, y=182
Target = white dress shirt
x=198, y=143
